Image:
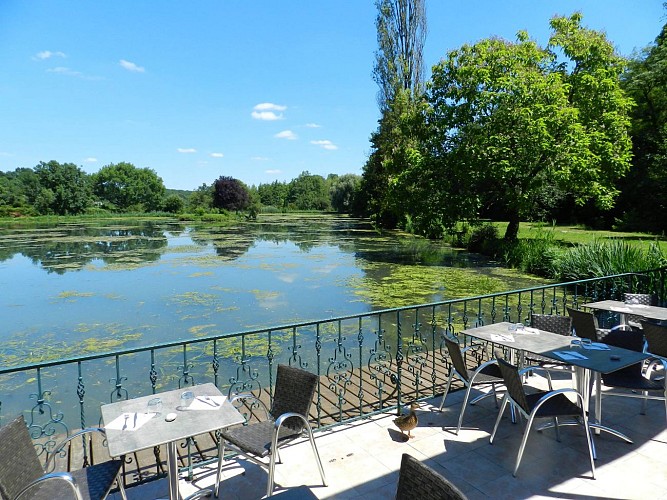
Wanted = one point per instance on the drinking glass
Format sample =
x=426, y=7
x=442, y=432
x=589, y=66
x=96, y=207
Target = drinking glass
x=154, y=406
x=186, y=399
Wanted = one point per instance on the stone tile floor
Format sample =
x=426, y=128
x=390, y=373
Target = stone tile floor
x=361, y=460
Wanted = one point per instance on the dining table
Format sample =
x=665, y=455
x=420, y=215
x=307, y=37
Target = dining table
x=132, y=425
x=624, y=308
x=587, y=358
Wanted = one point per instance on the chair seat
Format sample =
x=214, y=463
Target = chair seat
x=93, y=481
x=556, y=406
x=489, y=374
x=623, y=381
x=256, y=437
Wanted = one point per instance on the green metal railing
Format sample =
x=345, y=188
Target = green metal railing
x=367, y=363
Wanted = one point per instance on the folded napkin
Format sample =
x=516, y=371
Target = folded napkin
x=621, y=309
x=639, y=306
x=530, y=331
x=569, y=355
x=207, y=403
x=129, y=421
x=502, y=338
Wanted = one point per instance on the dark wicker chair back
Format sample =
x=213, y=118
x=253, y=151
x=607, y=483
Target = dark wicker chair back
x=632, y=340
x=656, y=338
x=416, y=480
x=457, y=358
x=19, y=464
x=514, y=385
x=561, y=325
x=584, y=324
x=646, y=299
x=294, y=393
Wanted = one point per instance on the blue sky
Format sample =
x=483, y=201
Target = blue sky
x=257, y=89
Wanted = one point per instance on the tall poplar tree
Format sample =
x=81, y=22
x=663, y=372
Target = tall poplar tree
x=398, y=71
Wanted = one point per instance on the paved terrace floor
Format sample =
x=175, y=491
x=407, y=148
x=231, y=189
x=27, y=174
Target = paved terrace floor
x=362, y=459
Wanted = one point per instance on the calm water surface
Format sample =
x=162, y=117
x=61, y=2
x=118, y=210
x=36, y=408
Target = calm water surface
x=77, y=288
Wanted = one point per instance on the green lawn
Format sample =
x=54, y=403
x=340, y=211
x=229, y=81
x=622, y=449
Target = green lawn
x=580, y=234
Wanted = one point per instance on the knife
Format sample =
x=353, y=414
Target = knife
x=134, y=426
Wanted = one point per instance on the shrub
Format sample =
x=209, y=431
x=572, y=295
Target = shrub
x=607, y=258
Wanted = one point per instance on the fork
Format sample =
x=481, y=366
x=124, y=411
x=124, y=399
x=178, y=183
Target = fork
x=127, y=415
x=211, y=400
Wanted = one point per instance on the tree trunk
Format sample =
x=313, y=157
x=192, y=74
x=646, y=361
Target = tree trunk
x=513, y=227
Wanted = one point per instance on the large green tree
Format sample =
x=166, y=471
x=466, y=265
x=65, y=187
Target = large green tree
x=308, y=192
x=64, y=189
x=509, y=118
x=125, y=186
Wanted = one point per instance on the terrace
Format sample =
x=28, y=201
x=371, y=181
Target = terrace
x=368, y=366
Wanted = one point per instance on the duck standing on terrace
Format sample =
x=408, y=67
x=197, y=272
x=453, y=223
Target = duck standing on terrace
x=409, y=421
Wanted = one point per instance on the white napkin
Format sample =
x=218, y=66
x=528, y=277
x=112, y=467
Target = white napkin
x=639, y=306
x=621, y=309
x=569, y=355
x=129, y=421
x=530, y=331
x=502, y=338
x=207, y=403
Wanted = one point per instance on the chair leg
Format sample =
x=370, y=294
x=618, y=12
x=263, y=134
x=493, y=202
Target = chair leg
x=557, y=429
x=463, y=408
x=317, y=454
x=524, y=440
x=221, y=457
x=500, y=415
x=449, y=383
x=644, y=403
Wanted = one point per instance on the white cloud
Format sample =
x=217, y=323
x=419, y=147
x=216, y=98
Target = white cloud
x=286, y=134
x=325, y=144
x=268, y=116
x=186, y=150
x=130, y=66
x=273, y=172
x=90, y=159
x=216, y=155
x=269, y=106
x=313, y=125
x=47, y=54
x=259, y=158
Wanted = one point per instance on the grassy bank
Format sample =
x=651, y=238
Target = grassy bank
x=566, y=253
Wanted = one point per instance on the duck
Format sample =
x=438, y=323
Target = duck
x=409, y=421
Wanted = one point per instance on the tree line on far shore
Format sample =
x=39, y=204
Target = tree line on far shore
x=53, y=188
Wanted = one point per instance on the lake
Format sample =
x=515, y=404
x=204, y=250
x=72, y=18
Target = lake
x=85, y=287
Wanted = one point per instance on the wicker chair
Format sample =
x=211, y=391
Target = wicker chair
x=561, y=325
x=288, y=420
x=631, y=378
x=416, y=480
x=646, y=299
x=542, y=404
x=585, y=325
x=22, y=474
x=485, y=374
